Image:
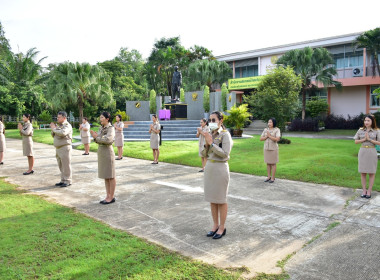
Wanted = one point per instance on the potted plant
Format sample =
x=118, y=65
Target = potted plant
x=237, y=117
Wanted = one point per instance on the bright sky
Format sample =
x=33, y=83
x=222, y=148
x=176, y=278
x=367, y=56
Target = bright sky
x=94, y=30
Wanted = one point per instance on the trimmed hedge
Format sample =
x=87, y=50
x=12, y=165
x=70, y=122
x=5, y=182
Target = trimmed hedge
x=308, y=124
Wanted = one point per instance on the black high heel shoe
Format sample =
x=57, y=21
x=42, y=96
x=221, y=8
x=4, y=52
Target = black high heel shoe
x=218, y=236
x=28, y=173
x=211, y=233
x=267, y=180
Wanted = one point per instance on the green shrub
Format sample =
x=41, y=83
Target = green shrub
x=124, y=116
x=206, y=99
x=224, y=97
x=284, y=141
x=238, y=116
x=317, y=107
x=10, y=125
x=45, y=117
x=152, y=102
x=182, y=95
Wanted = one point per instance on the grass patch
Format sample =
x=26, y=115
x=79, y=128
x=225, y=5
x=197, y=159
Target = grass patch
x=322, y=161
x=331, y=226
x=39, y=135
x=335, y=132
x=44, y=240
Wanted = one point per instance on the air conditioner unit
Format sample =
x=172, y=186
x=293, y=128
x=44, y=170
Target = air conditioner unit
x=357, y=72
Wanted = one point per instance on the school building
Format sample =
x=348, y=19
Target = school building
x=353, y=67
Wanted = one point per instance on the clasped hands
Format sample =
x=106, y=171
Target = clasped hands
x=208, y=138
x=93, y=134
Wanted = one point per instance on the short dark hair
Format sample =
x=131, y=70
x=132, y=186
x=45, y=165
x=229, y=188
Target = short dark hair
x=1, y=118
x=205, y=121
x=107, y=116
x=118, y=115
x=26, y=115
x=273, y=121
x=62, y=113
x=85, y=118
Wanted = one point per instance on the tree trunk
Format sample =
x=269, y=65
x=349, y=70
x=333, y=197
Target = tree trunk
x=80, y=107
x=303, y=104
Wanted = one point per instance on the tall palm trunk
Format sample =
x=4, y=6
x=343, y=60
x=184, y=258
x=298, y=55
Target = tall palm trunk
x=80, y=107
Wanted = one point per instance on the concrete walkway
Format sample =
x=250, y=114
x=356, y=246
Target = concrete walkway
x=266, y=222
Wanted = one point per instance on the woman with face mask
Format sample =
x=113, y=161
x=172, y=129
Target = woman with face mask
x=271, y=135
x=217, y=172
x=368, y=136
x=201, y=135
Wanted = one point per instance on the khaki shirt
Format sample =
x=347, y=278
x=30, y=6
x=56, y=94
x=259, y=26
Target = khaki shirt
x=156, y=126
x=63, y=134
x=27, y=129
x=85, y=133
x=2, y=128
x=221, y=148
x=119, y=125
x=374, y=134
x=106, y=135
x=269, y=144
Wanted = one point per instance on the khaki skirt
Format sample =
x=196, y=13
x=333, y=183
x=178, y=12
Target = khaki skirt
x=85, y=140
x=154, y=141
x=270, y=156
x=2, y=143
x=27, y=146
x=367, y=160
x=216, y=181
x=106, y=162
x=119, y=140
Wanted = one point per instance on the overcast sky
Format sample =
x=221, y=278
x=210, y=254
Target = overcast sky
x=92, y=31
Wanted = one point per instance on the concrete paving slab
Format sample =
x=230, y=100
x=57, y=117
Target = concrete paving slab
x=164, y=203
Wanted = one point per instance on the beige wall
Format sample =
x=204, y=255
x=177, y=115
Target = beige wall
x=349, y=101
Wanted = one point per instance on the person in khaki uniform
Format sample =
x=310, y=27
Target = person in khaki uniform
x=368, y=136
x=217, y=172
x=154, y=131
x=271, y=135
x=26, y=131
x=119, y=136
x=201, y=143
x=106, y=156
x=2, y=140
x=62, y=133
x=85, y=136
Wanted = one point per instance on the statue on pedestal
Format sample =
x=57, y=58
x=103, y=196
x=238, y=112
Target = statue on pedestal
x=176, y=84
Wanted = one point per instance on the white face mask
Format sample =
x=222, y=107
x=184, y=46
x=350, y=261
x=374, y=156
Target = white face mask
x=213, y=126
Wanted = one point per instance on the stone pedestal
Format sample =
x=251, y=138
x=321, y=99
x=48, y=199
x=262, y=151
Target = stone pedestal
x=178, y=111
x=194, y=101
x=138, y=110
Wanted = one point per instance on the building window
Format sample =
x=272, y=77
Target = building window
x=246, y=71
x=374, y=99
x=349, y=60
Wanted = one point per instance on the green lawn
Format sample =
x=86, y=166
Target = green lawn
x=335, y=132
x=324, y=161
x=43, y=240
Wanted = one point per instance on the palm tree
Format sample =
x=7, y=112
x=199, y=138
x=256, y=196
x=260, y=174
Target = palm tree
x=311, y=65
x=75, y=84
x=207, y=72
x=371, y=41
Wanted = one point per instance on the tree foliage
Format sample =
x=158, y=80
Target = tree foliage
x=277, y=95
x=206, y=99
x=371, y=41
x=224, y=91
x=207, y=72
x=75, y=85
x=313, y=66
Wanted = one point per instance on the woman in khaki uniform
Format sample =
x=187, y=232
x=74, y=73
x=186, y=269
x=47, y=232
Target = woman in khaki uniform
x=368, y=136
x=85, y=136
x=2, y=140
x=26, y=131
x=201, y=134
x=106, y=156
x=217, y=173
x=119, y=136
x=271, y=135
x=154, y=131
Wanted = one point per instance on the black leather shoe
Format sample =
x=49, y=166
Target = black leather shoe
x=267, y=180
x=28, y=173
x=59, y=184
x=85, y=154
x=218, y=236
x=102, y=201
x=108, y=202
x=201, y=170
x=64, y=185
x=363, y=195
x=1, y=162
x=118, y=158
x=211, y=233
x=368, y=196
x=271, y=181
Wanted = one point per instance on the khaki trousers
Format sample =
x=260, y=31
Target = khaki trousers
x=63, y=155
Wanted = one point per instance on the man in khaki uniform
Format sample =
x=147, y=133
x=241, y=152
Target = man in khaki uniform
x=63, y=134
